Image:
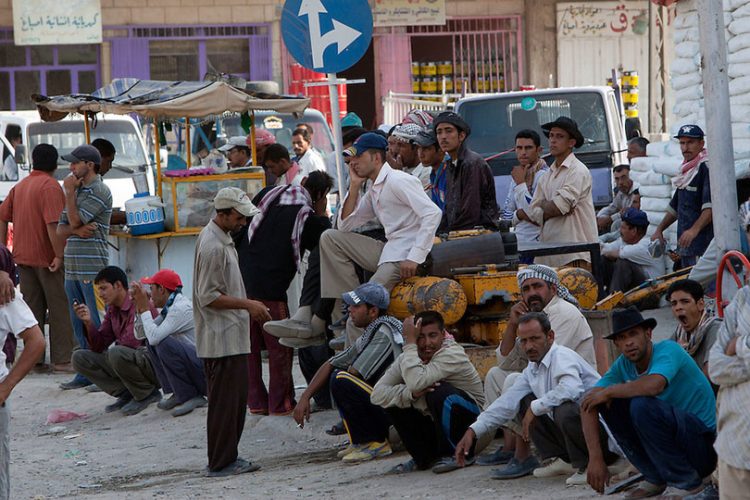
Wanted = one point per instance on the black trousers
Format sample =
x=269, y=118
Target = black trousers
x=428, y=438
x=364, y=421
x=622, y=275
x=310, y=360
x=310, y=295
x=227, y=380
x=562, y=436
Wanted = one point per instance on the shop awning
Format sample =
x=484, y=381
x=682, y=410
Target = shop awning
x=166, y=100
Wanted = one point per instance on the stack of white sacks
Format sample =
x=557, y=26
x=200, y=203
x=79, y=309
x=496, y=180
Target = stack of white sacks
x=654, y=172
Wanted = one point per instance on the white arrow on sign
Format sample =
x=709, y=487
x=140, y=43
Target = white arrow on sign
x=342, y=35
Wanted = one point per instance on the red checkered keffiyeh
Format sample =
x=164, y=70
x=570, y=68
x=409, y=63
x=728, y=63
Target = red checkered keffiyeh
x=286, y=196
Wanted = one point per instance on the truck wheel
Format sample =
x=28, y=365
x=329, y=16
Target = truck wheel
x=633, y=128
x=264, y=86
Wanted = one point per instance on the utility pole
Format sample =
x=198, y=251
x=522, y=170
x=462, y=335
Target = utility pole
x=719, y=127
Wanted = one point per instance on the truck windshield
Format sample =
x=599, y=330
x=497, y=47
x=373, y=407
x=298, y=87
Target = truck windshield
x=495, y=121
x=68, y=134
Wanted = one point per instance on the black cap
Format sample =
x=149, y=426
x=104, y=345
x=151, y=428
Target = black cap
x=625, y=319
x=44, y=157
x=86, y=152
x=692, y=131
x=425, y=138
x=452, y=118
x=567, y=124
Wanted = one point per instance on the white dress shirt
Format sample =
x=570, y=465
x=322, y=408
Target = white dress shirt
x=179, y=321
x=562, y=375
x=310, y=162
x=637, y=253
x=408, y=215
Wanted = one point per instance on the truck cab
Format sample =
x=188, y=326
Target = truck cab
x=495, y=119
x=121, y=130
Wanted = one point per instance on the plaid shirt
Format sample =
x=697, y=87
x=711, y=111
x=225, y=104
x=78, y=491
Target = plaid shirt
x=732, y=374
x=85, y=257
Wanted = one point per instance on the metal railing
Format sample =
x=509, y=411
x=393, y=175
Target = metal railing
x=397, y=105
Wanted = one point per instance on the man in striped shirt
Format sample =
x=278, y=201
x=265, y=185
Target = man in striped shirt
x=84, y=223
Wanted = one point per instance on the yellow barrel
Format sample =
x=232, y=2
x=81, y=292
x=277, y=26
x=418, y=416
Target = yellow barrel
x=630, y=95
x=415, y=85
x=630, y=78
x=415, y=69
x=581, y=284
x=445, y=68
x=428, y=69
x=631, y=113
x=448, y=84
x=481, y=84
x=428, y=86
x=428, y=294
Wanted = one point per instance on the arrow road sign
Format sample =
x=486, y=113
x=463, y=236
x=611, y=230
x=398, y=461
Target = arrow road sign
x=327, y=36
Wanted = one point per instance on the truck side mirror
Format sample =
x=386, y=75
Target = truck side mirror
x=20, y=155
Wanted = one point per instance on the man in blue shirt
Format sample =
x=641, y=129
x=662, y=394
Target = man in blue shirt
x=660, y=409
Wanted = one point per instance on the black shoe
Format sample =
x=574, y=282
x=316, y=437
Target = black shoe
x=76, y=383
x=239, y=466
x=122, y=400
x=337, y=429
x=134, y=407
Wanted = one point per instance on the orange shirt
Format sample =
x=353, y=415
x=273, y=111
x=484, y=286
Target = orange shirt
x=33, y=203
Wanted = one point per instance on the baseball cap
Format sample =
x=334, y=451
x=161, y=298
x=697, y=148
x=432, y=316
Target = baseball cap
x=426, y=137
x=235, y=142
x=165, y=277
x=85, y=152
x=370, y=140
x=232, y=197
x=370, y=293
x=692, y=131
x=635, y=217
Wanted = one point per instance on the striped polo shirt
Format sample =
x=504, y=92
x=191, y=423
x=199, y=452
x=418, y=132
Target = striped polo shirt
x=85, y=257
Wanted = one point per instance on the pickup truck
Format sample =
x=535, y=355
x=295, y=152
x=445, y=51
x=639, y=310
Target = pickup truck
x=496, y=118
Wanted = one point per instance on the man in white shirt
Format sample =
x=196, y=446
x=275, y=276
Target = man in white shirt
x=547, y=394
x=541, y=290
x=399, y=202
x=627, y=260
x=626, y=194
x=15, y=318
x=526, y=175
x=238, y=152
x=563, y=205
x=308, y=159
x=171, y=341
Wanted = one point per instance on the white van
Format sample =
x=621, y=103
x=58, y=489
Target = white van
x=67, y=134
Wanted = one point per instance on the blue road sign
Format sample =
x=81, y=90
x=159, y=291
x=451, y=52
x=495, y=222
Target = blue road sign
x=327, y=36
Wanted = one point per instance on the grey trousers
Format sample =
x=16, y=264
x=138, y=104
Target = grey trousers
x=117, y=370
x=339, y=250
x=5, y=451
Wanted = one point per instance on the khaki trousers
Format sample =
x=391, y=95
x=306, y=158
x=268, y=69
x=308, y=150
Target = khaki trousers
x=496, y=382
x=733, y=482
x=340, y=250
x=117, y=370
x=44, y=291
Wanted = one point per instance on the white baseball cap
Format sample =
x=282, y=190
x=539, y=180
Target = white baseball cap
x=232, y=197
x=234, y=142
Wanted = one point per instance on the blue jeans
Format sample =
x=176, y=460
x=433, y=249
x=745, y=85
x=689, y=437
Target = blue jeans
x=666, y=444
x=83, y=293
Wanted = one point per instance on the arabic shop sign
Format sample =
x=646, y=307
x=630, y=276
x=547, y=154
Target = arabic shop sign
x=592, y=19
x=407, y=12
x=41, y=22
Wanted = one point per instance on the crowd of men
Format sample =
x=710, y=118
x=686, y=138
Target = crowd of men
x=654, y=408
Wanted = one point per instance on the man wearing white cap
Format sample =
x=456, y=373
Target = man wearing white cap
x=222, y=330
x=238, y=152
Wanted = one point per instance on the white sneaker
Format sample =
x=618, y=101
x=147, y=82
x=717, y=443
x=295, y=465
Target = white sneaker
x=577, y=479
x=289, y=328
x=556, y=467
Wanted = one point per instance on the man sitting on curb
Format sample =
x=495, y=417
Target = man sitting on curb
x=171, y=341
x=355, y=371
x=541, y=290
x=627, y=260
x=432, y=393
x=660, y=409
x=123, y=370
x=696, y=331
x=547, y=394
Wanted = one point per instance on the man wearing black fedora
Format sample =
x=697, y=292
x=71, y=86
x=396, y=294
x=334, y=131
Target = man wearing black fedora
x=660, y=409
x=563, y=205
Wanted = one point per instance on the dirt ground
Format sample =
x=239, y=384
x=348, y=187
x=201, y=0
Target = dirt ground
x=153, y=455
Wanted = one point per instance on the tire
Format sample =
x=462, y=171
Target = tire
x=264, y=86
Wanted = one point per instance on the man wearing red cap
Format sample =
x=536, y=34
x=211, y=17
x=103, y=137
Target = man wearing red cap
x=171, y=341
